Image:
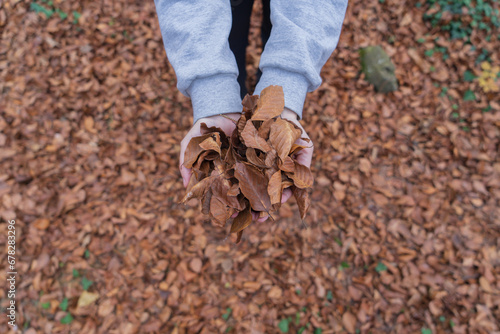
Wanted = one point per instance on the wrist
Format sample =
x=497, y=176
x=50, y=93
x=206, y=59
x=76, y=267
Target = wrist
x=289, y=114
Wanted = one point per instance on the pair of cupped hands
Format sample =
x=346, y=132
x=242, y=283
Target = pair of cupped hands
x=225, y=122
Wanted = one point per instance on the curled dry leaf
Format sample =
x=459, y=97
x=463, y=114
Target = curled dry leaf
x=274, y=188
x=252, y=139
x=270, y=104
x=253, y=185
x=303, y=201
x=249, y=169
x=302, y=176
x=283, y=135
x=242, y=220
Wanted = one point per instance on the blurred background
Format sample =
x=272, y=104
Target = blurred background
x=404, y=229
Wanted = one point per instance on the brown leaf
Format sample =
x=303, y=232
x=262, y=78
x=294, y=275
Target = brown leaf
x=254, y=159
x=302, y=176
x=250, y=102
x=234, y=190
x=253, y=184
x=270, y=104
x=303, y=201
x=238, y=237
x=193, y=150
x=219, y=211
x=265, y=128
x=196, y=264
x=41, y=223
x=210, y=144
x=271, y=158
x=349, y=322
x=252, y=139
x=274, y=188
x=197, y=190
x=240, y=124
x=220, y=188
x=205, y=202
x=296, y=148
x=242, y=220
x=283, y=135
x=287, y=166
x=87, y=298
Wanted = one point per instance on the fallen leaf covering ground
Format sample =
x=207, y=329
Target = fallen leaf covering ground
x=404, y=228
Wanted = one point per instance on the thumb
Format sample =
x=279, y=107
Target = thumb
x=186, y=175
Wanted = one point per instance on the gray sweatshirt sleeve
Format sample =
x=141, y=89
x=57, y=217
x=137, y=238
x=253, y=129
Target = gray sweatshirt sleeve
x=195, y=34
x=303, y=36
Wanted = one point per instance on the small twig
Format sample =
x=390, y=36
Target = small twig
x=229, y=118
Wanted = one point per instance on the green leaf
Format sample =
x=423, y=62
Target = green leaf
x=426, y=331
x=46, y=305
x=64, y=304
x=421, y=40
x=429, y=53
x=76, y=16
x=226, y=315
x=67, y=319
x=62, y=14
x=284, y=325
x=452, y=324
x=86, y=283
x=86, y=254
x=329, y=295
x=297, y=318
x=469, y=76
x=318, y=331
x=75, y=273
x=442, y=318
x=298, y=292
x=301, y=329
x=380, y=267
x=344, y=265
x=338, y=241
x=455, y=115
x=469, y=96
x=454, y=107
x=37, y=8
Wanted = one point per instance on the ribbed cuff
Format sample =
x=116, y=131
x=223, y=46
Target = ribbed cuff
x=214, y=95
x=294, y=87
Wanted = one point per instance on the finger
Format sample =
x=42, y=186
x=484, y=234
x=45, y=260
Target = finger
x=304, y=157
x=255, y=215
x=186, y=175
x=263, y=219
x=287, y=193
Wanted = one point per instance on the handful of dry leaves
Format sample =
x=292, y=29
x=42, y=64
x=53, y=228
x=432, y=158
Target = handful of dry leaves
x=250, y=169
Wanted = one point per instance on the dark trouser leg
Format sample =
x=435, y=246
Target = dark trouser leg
x=238, y=37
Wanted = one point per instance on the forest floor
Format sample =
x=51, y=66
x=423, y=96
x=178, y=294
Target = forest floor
x=403, y=234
